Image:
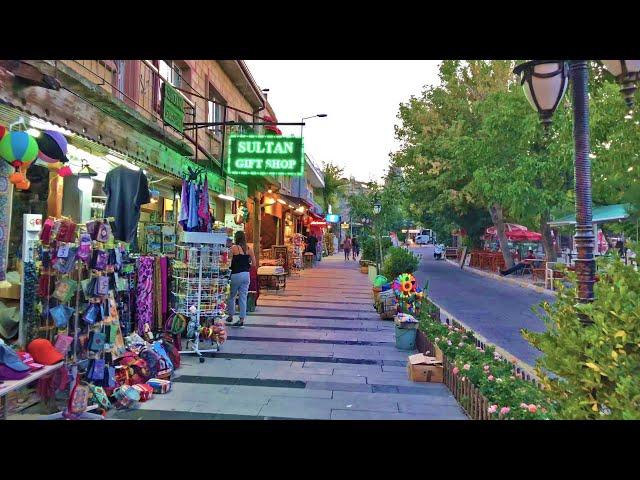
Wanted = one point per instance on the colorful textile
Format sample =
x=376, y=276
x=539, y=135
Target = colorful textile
x=144, y=297
x=184, y=205
x=192, y=219
x=5, y=216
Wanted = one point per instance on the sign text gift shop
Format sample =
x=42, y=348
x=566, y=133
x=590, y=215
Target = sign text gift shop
x=265, y=155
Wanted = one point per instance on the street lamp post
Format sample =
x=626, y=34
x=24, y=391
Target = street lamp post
x=319, y=115
x=544, y=83
x=377, y=208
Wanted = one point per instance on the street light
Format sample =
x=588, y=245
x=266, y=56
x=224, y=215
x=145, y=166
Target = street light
x=377, y=208
x=85, y=178
x=544, y=83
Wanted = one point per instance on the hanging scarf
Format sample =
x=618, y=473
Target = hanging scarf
x=144, y=298
x=192, y=220
x=5, y=216
x=184, y=205
x=203, y=207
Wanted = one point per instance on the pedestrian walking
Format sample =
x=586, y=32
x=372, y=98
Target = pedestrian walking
x=241, y=261
x=355, y=246
x=347, y=247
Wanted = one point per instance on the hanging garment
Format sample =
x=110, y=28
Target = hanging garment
x=164, y=273
x=5, y=216
x=126, y=191
x=144, y=299
x=184, y=205
x=192, y=220
x=203, y=208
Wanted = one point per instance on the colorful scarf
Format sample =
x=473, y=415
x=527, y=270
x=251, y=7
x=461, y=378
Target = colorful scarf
x=144, y=297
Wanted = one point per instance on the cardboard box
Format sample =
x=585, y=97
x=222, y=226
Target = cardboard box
x=422, y=368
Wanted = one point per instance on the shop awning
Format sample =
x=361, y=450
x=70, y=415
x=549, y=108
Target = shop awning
x=293, y=202
x=604, y=214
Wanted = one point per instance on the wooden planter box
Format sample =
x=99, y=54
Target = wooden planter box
x=469, y=397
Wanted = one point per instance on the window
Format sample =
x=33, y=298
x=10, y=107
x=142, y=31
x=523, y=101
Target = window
x=171, y=71
x=215, y=110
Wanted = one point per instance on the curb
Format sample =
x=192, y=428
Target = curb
x=524, y=366
x=499, y=278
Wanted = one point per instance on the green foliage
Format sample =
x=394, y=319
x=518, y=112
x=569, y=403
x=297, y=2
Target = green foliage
x=596, y=366
x=492, y=375
x=397, y=261
x=368, y=247
x=333, y=182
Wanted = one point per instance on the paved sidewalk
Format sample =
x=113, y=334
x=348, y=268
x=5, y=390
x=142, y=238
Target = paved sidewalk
x=496, y=310
x=316, y=351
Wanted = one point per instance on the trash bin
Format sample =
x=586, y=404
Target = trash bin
x=405, y=338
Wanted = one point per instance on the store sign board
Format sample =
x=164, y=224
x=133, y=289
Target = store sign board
x=332, y=218
x=265, y=155
x=172, y=107
x=230, y=187
x=241, y=192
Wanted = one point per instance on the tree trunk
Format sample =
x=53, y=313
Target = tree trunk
x=496, y=215
x=547, y=240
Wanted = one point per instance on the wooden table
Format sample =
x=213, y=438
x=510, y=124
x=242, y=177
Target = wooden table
x=8, y=386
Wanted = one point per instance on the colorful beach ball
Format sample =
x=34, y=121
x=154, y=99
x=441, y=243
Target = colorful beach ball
x=18, y=148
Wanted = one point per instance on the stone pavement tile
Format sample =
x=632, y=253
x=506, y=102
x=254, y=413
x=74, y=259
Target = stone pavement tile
x=304, y=408
x=361, y=404
x=214, y=368
x=235, y=407
x=310, y=377
x=390, y=368
x=339, y=414
x=250, y=391
x=434, y=397
x=158, y=402
x=336, y=386
x=452, y=410
x=390, y=380
x=360, y=370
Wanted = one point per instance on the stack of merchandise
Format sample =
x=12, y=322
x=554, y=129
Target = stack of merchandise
x=85, y=277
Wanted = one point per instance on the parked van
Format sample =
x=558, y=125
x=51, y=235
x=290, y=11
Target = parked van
x=425, y=237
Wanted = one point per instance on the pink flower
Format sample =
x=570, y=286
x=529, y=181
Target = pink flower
x=455, y=370
x=464, y=379
x=490, y=378
x=532, y=408
x=524, y=405
x=448, y=342
x=492, y=409
x=466, y=366
x=504, y=410
x=486, y=368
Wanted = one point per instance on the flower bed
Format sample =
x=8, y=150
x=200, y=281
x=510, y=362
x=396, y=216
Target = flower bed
x=484, y=383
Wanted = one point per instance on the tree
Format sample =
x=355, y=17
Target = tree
x=333, y=181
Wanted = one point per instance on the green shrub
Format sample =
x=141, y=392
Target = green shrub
x=510, y=397
x=397, y=261
x=368, y=249
x=597, y=366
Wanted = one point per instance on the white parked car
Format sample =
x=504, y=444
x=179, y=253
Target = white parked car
x=424, y=237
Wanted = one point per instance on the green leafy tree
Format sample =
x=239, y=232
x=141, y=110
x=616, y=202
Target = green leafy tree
x=595, y=367
x=333, y=182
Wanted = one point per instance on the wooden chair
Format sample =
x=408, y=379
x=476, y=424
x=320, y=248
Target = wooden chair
x=539, y=272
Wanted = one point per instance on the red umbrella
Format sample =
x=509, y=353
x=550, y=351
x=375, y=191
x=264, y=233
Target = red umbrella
x=516, y=233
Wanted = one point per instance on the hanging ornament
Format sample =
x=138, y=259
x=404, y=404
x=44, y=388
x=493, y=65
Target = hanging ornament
x=53, y=147
x=18, y=149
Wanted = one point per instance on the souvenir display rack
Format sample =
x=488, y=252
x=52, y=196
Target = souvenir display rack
x=201, y=272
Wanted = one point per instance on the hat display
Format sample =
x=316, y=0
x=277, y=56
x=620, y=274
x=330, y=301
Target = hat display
x=7, y=373
x=11, y=359
x=44, y=352
x=9, y=321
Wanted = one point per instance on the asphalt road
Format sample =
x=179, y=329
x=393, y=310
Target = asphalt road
x=494, y=309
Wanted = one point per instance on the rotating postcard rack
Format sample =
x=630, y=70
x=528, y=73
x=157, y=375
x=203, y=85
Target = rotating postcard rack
x=200, y=288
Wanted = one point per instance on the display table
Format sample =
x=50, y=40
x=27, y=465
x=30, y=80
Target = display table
x=270, y=281
x=10, y=385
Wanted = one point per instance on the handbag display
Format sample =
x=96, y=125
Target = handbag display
x=65, y=289
x=61, y=315
x=96, y=341
x=92, y=314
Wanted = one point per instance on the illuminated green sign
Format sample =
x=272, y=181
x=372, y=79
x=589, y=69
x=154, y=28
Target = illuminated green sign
x=265, y=155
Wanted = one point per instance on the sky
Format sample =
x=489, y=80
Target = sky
x=360, y=97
